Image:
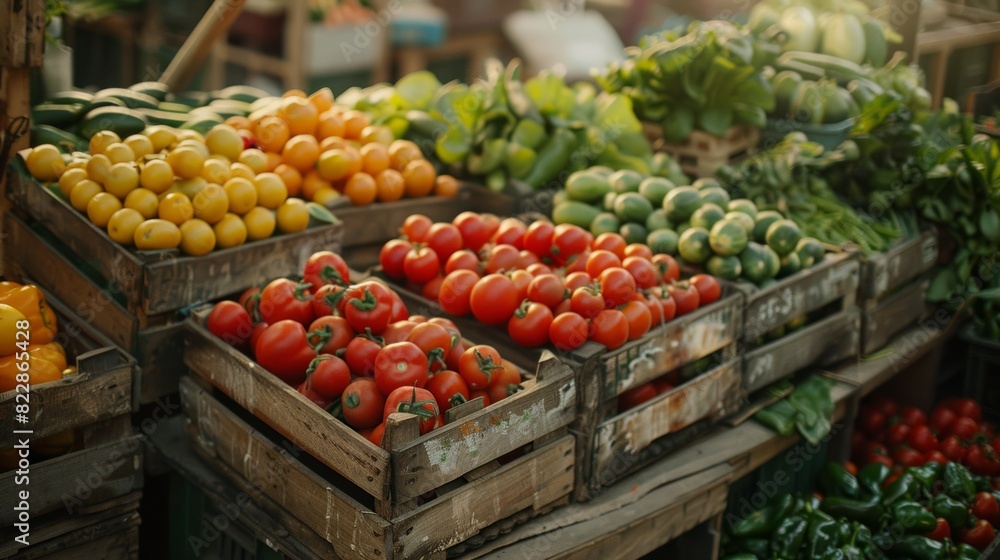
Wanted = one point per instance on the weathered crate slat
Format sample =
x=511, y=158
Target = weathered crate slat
x=353, y=530
x=157, y=347
x=702, y=153
x=881, y=321
x=828, y=341
x=155, y=282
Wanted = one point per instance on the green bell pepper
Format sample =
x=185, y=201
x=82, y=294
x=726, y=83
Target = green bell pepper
x=966, y=552
x=823, y=535
x=760, y=548
x=913, y=517
x=906, y=487
x=958, y=482
x=868, y=511
x=789, y=537
x=528, y=133
x=763, y=522
x=917, y=547
x=834, y=480
x=954, y=512
x=871, y=477
x=518, y=160
x=927, y=474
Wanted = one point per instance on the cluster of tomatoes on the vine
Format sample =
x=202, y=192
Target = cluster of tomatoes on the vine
x=355, y=350
x=547, y=283
x=954, y=432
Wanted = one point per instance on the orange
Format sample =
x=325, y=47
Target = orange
x=101, y=207
x=225, y=140
x=331, y=142
x=390, y=185
x=272, y=133
x=119, y=153
x=216, y=171
x=326, y=196
x=143, y=201
x=273, y=160
x=361, y=189
x=69, y=179
x=239, y=122
x=239, y=169
x=402, y=152
x=271, y=190
x=230, y=231
x=322, y=99
x=312, y=183
x=141, y=145
x=260, y=223
x=419, y=176
x=101, y=140
x=241, y=194
x=294, y=93
x=156, y=175
x=374, y=158
x=97, y=168
x=186, y=162
x=46, y=163
x=301, y=152
x=381, y=134
x=330, y=124
x=161, y=136
x=255, y=159
x=292, y=216
x=176, y=208
x=301, y=115
x=334, y=165
x=291, y=177
x=354, y=123
x=446, y=185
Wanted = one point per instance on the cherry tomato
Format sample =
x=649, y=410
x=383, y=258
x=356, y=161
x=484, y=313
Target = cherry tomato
x=362, y=403
x=941, y=531
x=908, y=457
x=936, y=457
x=538, y=238
x=985, y=506
x=685, y=296
x=368, y=305
x=462, y=260
x=912, y=416
x=456, y=291
x=563, y=307
x=434, y=341
x=231, y=322
x=473, y=229
x=415, y=227
x=329, y=334
x=401, y=364
x=982, y=460
x=636, y=396
x=876, y=458
x=478, y=364
x=708, y=288
x=610, y=242
x=941, y=419
x=283, y=349
x=328, y=375
x=643, y=271
x=432, y=288
x=399, y=310
x=526, y=258
x=421, y=264
x=328, y=300
x=529, y=326
x=326, y=267
x=398, y=331
x=250, y=300
x=492, y=222
x=576, y=280
x=391, y=257
x=547, y=289
x=617, y=286
x=448, y=388
x=444, y=239
x=568, y=331
x=610, y=328
x=850, y=467
x=493, y=299
x=639, y=318
x=258, y=330
x=964, y=427
x=670, y=271
x=897, y=434
x=521, y=280
x=922, y=439
x=505, y=382
x=872, y=420
x=969, y=408
x=360, y=356
x=538, y=269
x=413, y=400
x=587, y=302
x=454, y=359
x=283, y=299
x=953, y=449
x=638, y=250
x=600, y=260
x=979, y=536
x=568, y=240
x=511, y=232
x=669, y=308
x=886, y=405
x=501, y=258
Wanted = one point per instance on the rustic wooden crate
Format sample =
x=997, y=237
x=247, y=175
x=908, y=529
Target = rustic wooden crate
x=892, y=288
x=392, y=477
x=702, y=153
x=155, y=342
x=156, y=282
x=368, y=228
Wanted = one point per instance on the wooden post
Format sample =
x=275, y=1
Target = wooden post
x=904, y=16
x=193, y=52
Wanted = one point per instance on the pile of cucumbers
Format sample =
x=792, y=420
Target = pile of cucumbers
x=68, y=119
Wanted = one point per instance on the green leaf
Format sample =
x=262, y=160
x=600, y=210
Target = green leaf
x=453, y=146
x=716, y=120
x=991, y=294
x=319, y=212
x=416, y=90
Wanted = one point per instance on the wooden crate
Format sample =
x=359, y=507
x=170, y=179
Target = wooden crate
x=702, y=153
x=370, y=227
x=156, y=282
x=892, y=288
x=603, y=375
x=156, y=342
x=389, y=480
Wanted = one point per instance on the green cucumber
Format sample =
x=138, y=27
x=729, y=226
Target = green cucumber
x=56, y=114
x=576, y=213
x=123, y=122
x=246, y=94
x=71, y=98
x=132, y=99
x=65, y=141
x=156, y=90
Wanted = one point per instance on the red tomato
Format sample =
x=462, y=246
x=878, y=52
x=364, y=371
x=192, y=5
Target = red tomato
x=510, y=232
x=610, y=328
x=568, y=331
x=708, y=288
x=454, y=358
x=639, y=318
x=663, y=385
x=521, y=280
x=444, y=239
x=953, y=449
x=985, y=506
x=258, y=330
x=968, y=407
x=655, y=307
x=979, y=536
x=493, y=299
x=473, y=229
x=462, y=260
x=669, y=308
x=399, y=310
x=617, y=286
x=362, y=403
x=982, y=460
x=392, y=255
x=922, y=439
x=329, y=334
x=964, y=427
x=492, y=222
x=941, y=419
x=670, y=271
x=376, y=434
x=547, y=289
x=538, y=238
x=610, y=242
x=398, y=331
x=283, y=350
x=433, y=340
x=576, y=280
x=448, y=388
x=478, y=364
x=587, y=302
x=250, y=300
x=526, y=259
x=231, y=322
x=643, y=271
x=456, y=290
x=432, y=289
x=872, y=420
x=324, y=268
x=529, y=326
x=636, y=396
x=638, y=250
x=563, y=307
x=283, y=299
x=360, y=356
x=413, y=400
x=401, y=364
x=936, y=457
x=577, y=263
x=328, y=375
x=876, y=458
x=538, y=269
x=886, y=405
x=505, y=382
x=908, y=457
x=313, y=396
x=600, y=260
x=912, y=416
x=421, y=264
x=567, y=241
x=368, y=305
x=501, y=258
x=328, y=300
x=415, y=227
x=897, y=434
x=941, y=532
x=685, y=296
x=481, y=394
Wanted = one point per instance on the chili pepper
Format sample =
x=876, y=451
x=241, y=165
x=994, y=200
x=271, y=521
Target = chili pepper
x=764, y=521
x=30, y=301
x=958, y=482
x=918, y=547
x=834, y=480
x=552, y=158
x=868, y=511
x=823, y=535
x=906, y=487
x=788, y=537
x=871, y=477
x=928, y=474
x=760, y=548
x=954, y=512
x=913, y=517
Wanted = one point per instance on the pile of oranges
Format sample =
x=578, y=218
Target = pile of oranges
x=324, y=151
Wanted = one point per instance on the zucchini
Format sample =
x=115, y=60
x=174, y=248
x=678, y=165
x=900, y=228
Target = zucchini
x=122, y=121
x=190, y=98
x=70, y=98
x=174, y=107
x=229, y=105
x=66, y=142
x=202, y=123
x=805, y=71
x=108, y=101
x=132, y=99
x=155, y=90
x=264, y=102
x=57, y=114
x=835, y=67
x=168, y=118
x=247, y=94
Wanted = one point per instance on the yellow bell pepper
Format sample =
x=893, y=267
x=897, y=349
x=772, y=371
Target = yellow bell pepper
x=30, y=301
x=51, y=352
x=40, y=371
